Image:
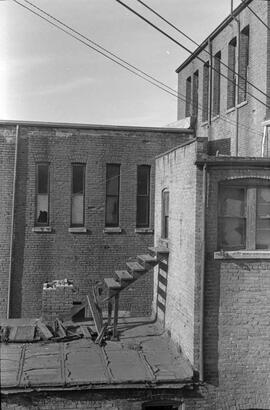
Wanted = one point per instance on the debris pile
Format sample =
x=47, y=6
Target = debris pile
x=57, y=299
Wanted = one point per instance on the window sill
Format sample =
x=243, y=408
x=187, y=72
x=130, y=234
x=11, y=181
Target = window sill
x=242, y=254
x=42, y=229
x=116, y=229
x=77, y=229
x=144, y=230
x=241, y=104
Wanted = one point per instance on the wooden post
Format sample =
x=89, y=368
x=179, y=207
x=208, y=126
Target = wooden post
x=115, y=317
x=110, y=306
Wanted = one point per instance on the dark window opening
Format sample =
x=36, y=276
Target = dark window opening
x=77, y=197
x=112, y=195
x=165, y=215
x=243, y=65
x=216, y=85
x=231, y=84
x=205, y=102
x=42, y=195
x=160, y=406
x=195, y=93
x=244, y=216
x=188, y=97
x=143, y=196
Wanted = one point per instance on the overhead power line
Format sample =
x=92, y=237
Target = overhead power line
x=185, y=48
x=198, y=45
x=173, y=93
x=256, y=15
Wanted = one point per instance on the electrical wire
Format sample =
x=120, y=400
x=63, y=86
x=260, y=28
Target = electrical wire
x=186, y=48
x=173, y=93
x=256, y=15
x=198, y=45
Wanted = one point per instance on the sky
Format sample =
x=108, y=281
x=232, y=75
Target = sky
x=45, y=75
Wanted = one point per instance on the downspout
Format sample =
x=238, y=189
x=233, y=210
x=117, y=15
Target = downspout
x=12, y=219
x=203, y=238
x=210, y=88
x=237, y=84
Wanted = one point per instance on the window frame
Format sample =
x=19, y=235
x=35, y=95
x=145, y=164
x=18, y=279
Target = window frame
x=147, y=224
x=243, y=65
x=216, y=84
x=83, y=165
x=205, y=95
x=188, y=97
x=231, y=81
x=112, y=225
x=165, y=217
x=195, y=93
x=47, y=223
x=251, y=187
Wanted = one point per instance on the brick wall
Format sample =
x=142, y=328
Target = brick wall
x=176, y=172
x=252, y=113
x=83, y=257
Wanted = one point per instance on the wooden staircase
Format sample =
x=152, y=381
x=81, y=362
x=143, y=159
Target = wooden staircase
x=124, y=278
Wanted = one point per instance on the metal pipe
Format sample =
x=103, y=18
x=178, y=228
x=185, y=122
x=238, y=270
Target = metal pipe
x=12, y=220
x=204, y=189
x=210, y=89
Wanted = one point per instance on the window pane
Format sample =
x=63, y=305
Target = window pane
x=43, y=173
x=42, y=209
x=232, y=232
x=112, y=211
x=142, y=211
x=143, y=180
x=232, y=202
x=263, y=218
x=77, y=210
x=78, y=179
x=112, y=179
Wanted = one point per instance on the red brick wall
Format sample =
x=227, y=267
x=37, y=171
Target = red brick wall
x=251, y=114
x=88, y=257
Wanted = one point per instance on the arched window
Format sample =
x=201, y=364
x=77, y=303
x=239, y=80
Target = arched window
x=165, y=214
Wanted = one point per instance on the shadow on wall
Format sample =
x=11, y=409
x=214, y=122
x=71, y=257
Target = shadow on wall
x=19, y=229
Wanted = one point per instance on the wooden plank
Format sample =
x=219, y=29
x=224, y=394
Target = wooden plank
x=44, y=332
x=85, y=332
x=101, y=334
x=22, y=334
x=95, y=311
x=60, y=328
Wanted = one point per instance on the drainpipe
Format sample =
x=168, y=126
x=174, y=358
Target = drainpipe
x=237, y=83
x=203, y=238
x=210, y=87
x=12, y=220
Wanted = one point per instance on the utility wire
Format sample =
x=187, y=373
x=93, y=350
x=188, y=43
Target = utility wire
x=256, y=15
x=185, y=48
x=173, y=93
x=198, y=45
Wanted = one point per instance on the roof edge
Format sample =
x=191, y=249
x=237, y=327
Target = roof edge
x=213, y=34
x=95, y=126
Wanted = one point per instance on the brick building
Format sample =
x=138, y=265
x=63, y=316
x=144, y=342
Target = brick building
x=83, y=205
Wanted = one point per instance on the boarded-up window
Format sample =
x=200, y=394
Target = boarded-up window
x=165, y=214
x=205, y=101
x=112, y=194
x=231, y=84
x=42, y=195
x=77, y=197
x=243, y=64
x=195, y=93
x=216, y=85
x=244, y=216
x=188, y=97
x=143, y=195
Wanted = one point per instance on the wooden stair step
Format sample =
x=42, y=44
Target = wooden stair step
x=135, y=267
x=159, y=251
x=123, y=276
x=147, y=260
x=112, y=284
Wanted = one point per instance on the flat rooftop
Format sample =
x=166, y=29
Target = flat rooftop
x=144, y=357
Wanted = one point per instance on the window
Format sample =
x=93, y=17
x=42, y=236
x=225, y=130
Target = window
x=231, y=84
x=195, y=93
x=188, y=97
x=243, y=64
x=77, y=197
x=112, y=194
x=216, y=88
x=205, y=102
x=244, y=216
x=165, y=214
x=143, y=196
x=42, y=196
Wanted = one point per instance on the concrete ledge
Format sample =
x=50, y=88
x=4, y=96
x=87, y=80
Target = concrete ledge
x=144, y=230
x=116, y=229
x=77, y=229
x=242, y=254
x=42, y=229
